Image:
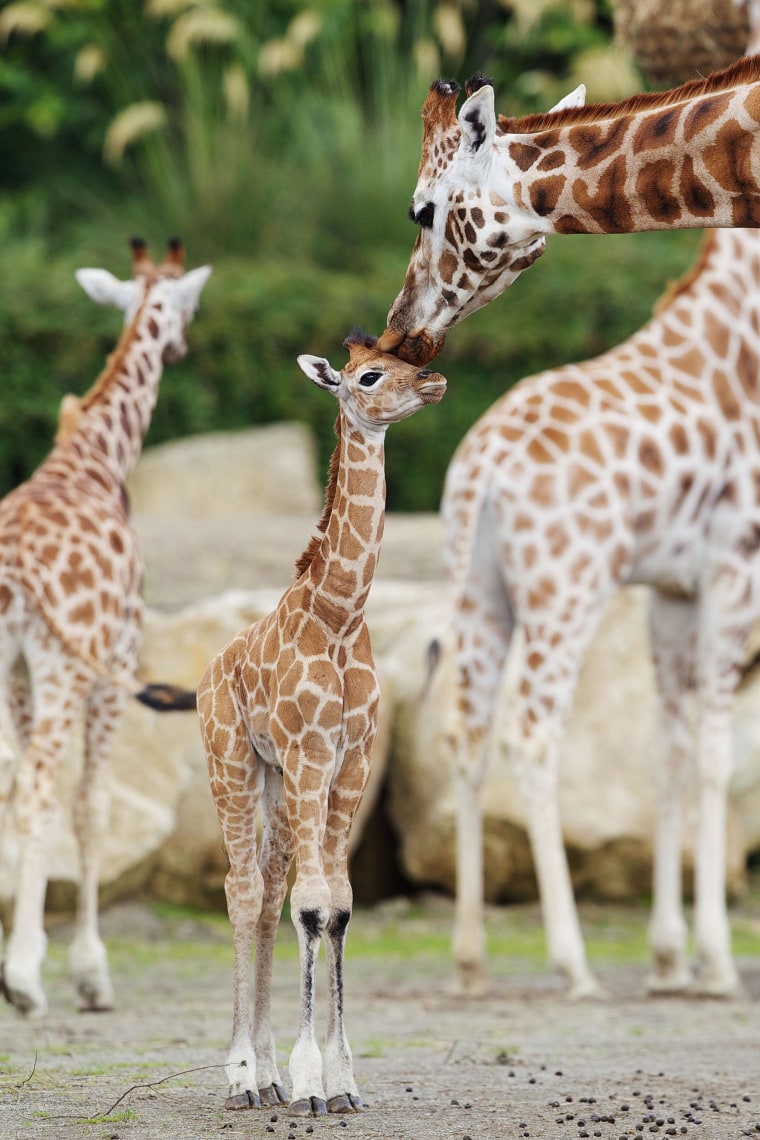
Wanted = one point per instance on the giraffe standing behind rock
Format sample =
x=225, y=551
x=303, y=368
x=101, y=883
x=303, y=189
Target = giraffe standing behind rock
x=642, y=465
x=489, y=190
x=70, y=613
x=288, y=714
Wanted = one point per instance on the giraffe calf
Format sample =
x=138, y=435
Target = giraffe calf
x=288, y=714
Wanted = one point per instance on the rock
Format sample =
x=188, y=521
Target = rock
x=266, y=470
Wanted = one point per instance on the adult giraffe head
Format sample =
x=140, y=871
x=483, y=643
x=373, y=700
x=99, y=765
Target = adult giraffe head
x=489, y=189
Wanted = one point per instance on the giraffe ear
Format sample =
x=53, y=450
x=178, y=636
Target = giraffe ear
x=188, y=288
x=477, y=118
x=106, y=289
x=320, y=371
x=576, y=98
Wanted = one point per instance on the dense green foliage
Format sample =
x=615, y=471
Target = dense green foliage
x=281, y=141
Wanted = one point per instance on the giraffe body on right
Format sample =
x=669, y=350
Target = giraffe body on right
x=642, y=465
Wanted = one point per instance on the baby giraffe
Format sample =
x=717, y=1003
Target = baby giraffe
x=288, y=716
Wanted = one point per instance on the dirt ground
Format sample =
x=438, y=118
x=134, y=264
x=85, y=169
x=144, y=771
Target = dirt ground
x=521, y=1063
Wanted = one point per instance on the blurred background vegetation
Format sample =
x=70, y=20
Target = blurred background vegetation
x=280, y=140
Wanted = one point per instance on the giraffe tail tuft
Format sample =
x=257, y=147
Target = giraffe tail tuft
x=167, y=698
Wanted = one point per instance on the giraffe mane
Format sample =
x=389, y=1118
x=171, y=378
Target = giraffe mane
x=682, y=283
x=746, y=70
x=114, y=361
x=309, y=554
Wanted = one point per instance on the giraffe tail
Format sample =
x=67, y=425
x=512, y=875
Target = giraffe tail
x=167, y=698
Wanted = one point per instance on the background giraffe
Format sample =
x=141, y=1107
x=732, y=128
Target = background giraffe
x=489, y=191
x=288, y=716
x=642, y=465
x=70, y=610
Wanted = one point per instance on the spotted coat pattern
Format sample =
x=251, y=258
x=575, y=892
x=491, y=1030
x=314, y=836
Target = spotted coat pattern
x=70, y=613
x=642, y=465
x=288, y=714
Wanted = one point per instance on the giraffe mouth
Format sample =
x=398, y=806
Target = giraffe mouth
x=413, y=348
x=432, y=391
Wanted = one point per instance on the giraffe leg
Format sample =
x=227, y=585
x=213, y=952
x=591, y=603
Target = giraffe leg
x=548, y=674
x=87, y=955
x=345, y=796
x=8, y=764
x=483, y=627
x=309, y=905
x=59, y=695
x=672, y=623
x=725, y=614
x=274, y=861
x=237, y=779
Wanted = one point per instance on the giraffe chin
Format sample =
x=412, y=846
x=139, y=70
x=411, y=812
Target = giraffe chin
x=415, y=348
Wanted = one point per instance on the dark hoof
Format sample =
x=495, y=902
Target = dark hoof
x=245, y=1099
x=344, y=1103
x=273, y=1094
x=309, y=1106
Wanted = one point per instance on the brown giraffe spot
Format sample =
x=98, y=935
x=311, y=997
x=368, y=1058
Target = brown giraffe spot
x=545, y=193
x=530, y=556
x=535, y=659
x=716, y=333
x=538, y=451
x=447, y=266
x=746, y=370
x=656, y=130
x=589, y=445
x=679, y=439
x=470, y=232
x=607, y=206
x=478, y=217
x=471, y=260
x=523, y=155
x=521, y=263
x=552, y=161
x=558, y=439
x=622, y=483
x=729, y=159
x=696, y=197
x=595, y=143
x=727, y=401
x=692, y=363
x=654, y=186
x=568, y=223
x=745, y=211
x=557, y=537
x=752, y=102
x=650, y=411
x=579, y=477
x=543, y=488
x=702, y=113
x=85, y=613
x=708, y=434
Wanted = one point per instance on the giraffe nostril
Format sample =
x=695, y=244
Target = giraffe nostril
x=423, y=373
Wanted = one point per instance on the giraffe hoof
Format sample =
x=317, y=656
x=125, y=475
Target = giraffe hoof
x=308, y=1106
x=243, y=1100
x=346, y=1102
x=273, y=1094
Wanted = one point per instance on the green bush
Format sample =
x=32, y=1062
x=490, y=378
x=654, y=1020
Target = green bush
x=256, y=316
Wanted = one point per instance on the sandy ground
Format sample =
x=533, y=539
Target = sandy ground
x=521, y=1063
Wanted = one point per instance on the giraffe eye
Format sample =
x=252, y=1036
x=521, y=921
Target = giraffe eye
x=424, y=216
x=367, y=379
